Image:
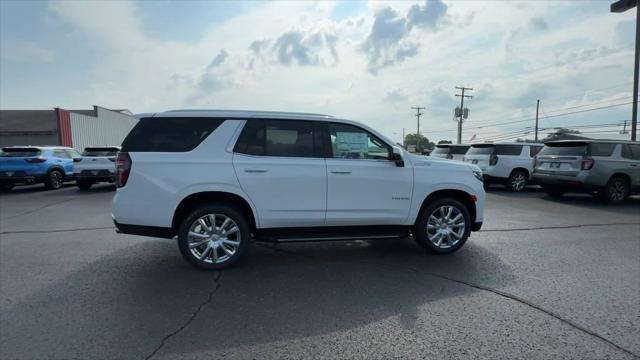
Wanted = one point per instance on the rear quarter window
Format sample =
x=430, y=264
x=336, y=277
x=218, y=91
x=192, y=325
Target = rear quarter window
x=481, y=150
x=601, y=149
x=20, y=152
x=631, y=151
x=534, y=150
x=169, y=134
x=514, y=150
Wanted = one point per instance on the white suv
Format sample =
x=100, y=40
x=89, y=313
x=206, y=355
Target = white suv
x=507, y=163
x=217, y=179
x=450, y=151
x=97, y=164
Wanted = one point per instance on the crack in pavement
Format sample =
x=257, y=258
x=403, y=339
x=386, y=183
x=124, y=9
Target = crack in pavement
x=55, y=231
x=500, y=293
x=190, y=320
x=560, y=227
x=38, y=209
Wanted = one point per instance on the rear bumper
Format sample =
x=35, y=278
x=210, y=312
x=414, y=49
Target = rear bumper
x=569, y=183
x=477, y=226
x=141, y=230
x=22, y=179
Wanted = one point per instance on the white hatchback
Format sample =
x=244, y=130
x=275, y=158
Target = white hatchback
x=507, y=163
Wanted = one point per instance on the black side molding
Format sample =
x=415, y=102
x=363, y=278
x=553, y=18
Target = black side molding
x=477, y=226
x=141, y=230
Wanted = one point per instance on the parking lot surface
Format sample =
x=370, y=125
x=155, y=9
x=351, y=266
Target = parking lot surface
x=546, y=278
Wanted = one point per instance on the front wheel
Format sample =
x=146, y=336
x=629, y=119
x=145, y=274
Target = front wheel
x=443, y=227
x=214, y=237
x=54, y=180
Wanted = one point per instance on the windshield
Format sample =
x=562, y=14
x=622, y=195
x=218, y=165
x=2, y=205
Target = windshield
x=481, y=150
x=579, y=150
x=440, y=150
x=459, y=150
x=100, y=152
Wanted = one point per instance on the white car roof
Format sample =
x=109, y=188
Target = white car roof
x=240, y=114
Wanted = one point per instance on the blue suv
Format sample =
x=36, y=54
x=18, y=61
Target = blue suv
x=26, y=165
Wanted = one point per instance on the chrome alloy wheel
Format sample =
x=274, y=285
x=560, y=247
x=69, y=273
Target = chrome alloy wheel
x=214, y=238
x=445, y=226
x=518, y=182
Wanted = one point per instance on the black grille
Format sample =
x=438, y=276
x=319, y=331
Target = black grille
x=95, y=173
x=12, y=174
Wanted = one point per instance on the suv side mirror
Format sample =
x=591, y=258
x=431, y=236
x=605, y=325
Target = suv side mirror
x=396, y=156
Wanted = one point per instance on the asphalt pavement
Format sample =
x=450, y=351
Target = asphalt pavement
x=546, y=278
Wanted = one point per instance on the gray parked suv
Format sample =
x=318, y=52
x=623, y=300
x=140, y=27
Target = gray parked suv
x=609, y=169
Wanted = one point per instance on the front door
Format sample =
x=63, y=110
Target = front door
x=365, y=187
x=279, y=167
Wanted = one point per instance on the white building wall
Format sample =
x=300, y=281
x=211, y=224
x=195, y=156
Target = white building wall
x=108, y=128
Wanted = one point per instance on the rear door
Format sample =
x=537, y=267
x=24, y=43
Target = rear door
x=563, y=158
x=631, y=153
x=365, y=187
x=280, y=165
x=511, y=156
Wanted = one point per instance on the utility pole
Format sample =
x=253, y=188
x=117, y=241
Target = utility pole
x=418, y=114
x=618, y=7
x=460, y=118
x=537, y=107
x=404, y=142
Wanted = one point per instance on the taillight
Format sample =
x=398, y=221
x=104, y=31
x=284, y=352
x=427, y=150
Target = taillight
x=77, y=159
x=449, y=156
x=123, y=167
x=587, y=164
x=36, y=160
x=493, y=159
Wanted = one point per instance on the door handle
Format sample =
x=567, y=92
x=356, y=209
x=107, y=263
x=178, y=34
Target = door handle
x=634, y=165
x=341, y=171
x=255, y=170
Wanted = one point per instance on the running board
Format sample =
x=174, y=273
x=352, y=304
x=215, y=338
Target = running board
x=347, y=233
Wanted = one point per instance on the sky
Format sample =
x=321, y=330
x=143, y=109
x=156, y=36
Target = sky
x=366, y=61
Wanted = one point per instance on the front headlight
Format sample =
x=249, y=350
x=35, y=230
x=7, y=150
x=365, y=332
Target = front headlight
x=478, y=175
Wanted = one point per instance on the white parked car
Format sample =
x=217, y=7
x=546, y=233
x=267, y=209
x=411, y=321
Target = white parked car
x=507, y=163
x=450, y=151
x=218, y=179
x=97, y=164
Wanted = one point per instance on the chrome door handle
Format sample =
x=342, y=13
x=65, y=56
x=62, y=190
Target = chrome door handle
x=341, y=171
x=254, y=170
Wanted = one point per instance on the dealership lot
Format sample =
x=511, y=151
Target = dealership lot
x=545, y=278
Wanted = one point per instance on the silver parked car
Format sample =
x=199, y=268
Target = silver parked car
x=609, y=169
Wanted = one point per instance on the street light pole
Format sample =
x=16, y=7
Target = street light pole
x=618, y=7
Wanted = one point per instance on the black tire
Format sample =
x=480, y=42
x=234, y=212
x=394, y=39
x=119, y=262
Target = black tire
x=486, y=184
x=54, y=180
x=420, y=229
x=616, y=190
x=6, y=187
x=225, y=210
x=84, y=184
x=518, y=181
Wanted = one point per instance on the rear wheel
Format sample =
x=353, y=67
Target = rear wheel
x=443, y=226
x=214, y=237
x=616, y=190
x=54, y=180
x=518, y=180
x=84, y=184
x=6, y=187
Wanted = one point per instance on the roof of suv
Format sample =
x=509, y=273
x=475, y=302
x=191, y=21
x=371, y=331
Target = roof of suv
x=450, y=145
x=505, y=143
x=254, y=114
x=589, y=141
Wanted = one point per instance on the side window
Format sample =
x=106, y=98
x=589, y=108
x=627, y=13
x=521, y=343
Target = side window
x=59, y=153
x=169, y=134
x=351, y=142
x=73, y=153
x=514, y=150
x=601, y=149
x=286, y=138
x=630, y=151
x=534, y=150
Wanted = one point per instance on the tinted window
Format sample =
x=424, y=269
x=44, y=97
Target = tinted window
x=459, y=150
x=20, y=152
x=352, y=142
x=169, y=134
x=534, y=150
x=73, y=153
x=440, y=150
x=100, y=151
x=578, y=150
x=290, y=138
x=514, y=150
x=601, y=149
x=481, y=150
x=61, y=154
x=630, y=151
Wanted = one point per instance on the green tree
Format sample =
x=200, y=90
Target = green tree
x=445, y=142
x=412, y=139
